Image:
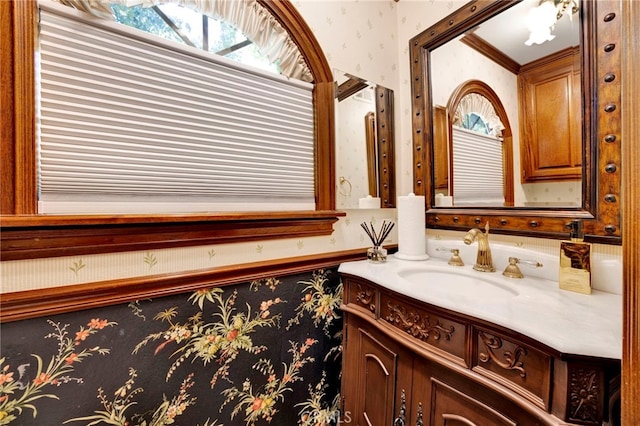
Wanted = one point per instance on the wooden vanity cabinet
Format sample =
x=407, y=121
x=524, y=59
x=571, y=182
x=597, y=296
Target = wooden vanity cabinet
x=550, y=134
x=406, y=362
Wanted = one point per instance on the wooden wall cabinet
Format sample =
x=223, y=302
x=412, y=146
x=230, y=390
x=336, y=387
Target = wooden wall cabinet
x=550, y=118
x=406, y=362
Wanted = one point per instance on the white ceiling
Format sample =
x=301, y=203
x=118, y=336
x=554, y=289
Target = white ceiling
x=508, y=32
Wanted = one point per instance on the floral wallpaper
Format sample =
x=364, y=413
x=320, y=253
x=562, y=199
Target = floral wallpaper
x=259, y=353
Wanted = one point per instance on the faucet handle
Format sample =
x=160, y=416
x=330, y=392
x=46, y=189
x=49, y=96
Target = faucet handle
x=532, y=263
x=455, y=259
x=513, y=271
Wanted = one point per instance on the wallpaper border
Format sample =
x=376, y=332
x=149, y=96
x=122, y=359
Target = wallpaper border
x=36, y=303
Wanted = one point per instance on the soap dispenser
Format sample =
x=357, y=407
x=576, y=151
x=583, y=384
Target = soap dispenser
x=575, y=261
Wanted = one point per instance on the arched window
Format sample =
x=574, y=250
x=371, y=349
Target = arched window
x=19, y=161
x=132, y=123
x=481, y=147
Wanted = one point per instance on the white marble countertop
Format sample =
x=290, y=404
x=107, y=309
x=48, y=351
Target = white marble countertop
x=569, y=322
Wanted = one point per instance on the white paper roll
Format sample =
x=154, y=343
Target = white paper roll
x=412, y=243
x=444, y=200
x=369, y=202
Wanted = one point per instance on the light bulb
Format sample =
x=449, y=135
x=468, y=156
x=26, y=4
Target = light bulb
x=540, y=20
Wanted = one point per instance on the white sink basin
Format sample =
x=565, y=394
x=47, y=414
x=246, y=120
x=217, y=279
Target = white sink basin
x=460, y=283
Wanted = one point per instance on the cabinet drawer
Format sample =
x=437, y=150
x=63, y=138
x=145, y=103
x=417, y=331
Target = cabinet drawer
x=515, y=365
x=362, y=295
x=434, y=329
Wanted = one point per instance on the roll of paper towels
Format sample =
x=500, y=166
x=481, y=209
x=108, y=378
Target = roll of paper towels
x=369, y=202
x=444, y=200
x=412, y=243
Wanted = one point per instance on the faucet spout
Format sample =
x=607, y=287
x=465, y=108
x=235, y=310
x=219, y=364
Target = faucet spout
x=484, y=262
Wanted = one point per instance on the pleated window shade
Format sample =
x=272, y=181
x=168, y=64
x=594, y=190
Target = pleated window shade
x=478, y=172
x=130, y=123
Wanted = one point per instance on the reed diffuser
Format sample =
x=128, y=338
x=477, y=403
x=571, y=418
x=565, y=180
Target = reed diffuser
x=377, y=253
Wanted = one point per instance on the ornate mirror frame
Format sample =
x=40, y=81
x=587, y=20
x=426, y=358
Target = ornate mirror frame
x=601, y=97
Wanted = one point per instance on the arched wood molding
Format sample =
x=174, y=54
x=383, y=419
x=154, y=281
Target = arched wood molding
x=302, y=35
x=483, y=89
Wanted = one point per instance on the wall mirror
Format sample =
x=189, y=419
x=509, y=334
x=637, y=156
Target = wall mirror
x=364, y=143
x=560, y=108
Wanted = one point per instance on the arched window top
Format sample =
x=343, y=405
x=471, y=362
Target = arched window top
x=474, y=121
x=476, y=97
x=257, y=24
x=477, y=113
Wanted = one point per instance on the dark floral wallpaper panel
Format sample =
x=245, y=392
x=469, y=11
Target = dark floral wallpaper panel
x=266, y=352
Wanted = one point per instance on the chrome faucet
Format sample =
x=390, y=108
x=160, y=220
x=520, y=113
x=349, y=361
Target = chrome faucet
x=484, y=262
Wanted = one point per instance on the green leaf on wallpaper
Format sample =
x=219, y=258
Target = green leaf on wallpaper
x=114, y=412
x=150, y=259
x=77, y=266
x=212, y=253
x=319, y=301
x=204, y=294
x=259, y=248
x=314, y=410
x=300, y=245
x=136, y=309
x=167, y=314
x=262, y=403
x=271, y=282
x=215, y=423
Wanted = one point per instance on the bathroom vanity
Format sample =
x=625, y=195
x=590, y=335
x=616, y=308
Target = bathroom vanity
x=426, y=343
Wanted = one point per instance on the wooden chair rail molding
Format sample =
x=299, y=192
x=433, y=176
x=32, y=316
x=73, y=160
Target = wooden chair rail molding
x=31, y=237
x=35, y=303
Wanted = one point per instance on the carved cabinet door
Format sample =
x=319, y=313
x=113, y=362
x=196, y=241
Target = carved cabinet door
x=375, y=372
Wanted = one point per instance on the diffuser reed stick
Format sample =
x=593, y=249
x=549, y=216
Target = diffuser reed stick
x=377, y=238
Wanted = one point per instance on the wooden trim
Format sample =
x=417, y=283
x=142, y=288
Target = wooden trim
x=370, y=138
x=385, y=133
x=568, y=53
x=630, y=208
x=302, y=35
x=7, y=95
x=325, y=146
x=35, y=303
x=324, y=104
x=545, y=224
x=17, y=162
x=488, y=50
x=34, y=237
x=350, y=87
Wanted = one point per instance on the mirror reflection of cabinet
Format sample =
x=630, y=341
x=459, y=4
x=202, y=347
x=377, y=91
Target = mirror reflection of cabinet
x=440, y=150
x=550, y=110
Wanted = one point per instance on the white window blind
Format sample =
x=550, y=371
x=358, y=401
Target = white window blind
x=134, y=123
x=478, y=173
